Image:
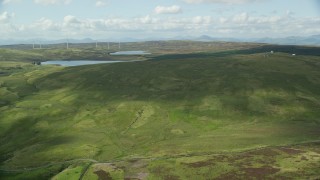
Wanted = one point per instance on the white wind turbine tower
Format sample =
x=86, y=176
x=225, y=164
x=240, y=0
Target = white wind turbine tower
x=119, y=46
x=108, y=46
x=97, y=44
x=67, y=40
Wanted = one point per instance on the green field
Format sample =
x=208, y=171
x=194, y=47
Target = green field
x=223, y=111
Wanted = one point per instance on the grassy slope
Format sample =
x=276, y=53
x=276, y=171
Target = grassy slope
x=39, y=55
x=157, y=108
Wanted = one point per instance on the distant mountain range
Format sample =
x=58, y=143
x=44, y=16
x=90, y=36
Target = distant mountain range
x=292, y=40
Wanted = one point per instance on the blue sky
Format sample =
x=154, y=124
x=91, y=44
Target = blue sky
x=103, y=19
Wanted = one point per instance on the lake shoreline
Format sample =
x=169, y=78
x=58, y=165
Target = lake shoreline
x=70, y=63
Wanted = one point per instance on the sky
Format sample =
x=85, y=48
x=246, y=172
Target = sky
x=139, y=19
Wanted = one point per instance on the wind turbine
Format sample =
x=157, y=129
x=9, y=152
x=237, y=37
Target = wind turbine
x=67, y=43
x=67, y=40
x=119, y=46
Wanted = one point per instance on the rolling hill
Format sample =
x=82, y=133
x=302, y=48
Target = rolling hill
x=227, y=114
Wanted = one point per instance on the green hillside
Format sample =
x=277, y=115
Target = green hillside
x=199, y=116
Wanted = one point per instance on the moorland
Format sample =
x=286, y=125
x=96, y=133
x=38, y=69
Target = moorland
x=188, y=110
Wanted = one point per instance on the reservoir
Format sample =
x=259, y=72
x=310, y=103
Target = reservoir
x=79, y=62
x=129, y=53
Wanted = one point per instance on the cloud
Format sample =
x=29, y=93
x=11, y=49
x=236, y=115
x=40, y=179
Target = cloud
x=44, y=24
x=241, y=18
x=5, y=17
x=52, y=2
x=202, y=20
x=70, y=20
x=221, y=1
x=243, y=25
x=9, y=1
x=146, y=20
x=168, y=9
x=101, y=3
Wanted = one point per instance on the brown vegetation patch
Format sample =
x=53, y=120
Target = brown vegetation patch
x=291, y=151
x=264, y=156
x=139, y=164
x=317, y=150
x=164, y=173
x=261, y=172
x=228, y=176
x=103, y=175
x=221, y=158
x=171, y=177
x=242, y=156
x=303, y=158
x=139, y=176
x=133, y=160
x=265, y=152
